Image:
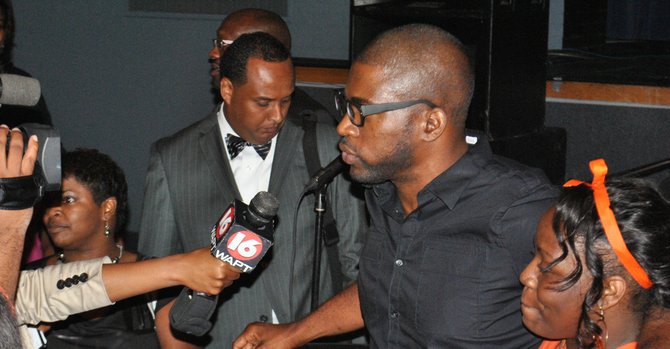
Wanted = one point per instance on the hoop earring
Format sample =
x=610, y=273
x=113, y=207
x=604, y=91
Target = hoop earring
x=598, y=339
x=107, y=232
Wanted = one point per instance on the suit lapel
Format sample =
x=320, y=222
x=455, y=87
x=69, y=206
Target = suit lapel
x=211, y=147
x=276, y=284
x=287, y=143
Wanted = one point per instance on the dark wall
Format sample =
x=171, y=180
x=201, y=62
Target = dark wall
x=626, y=136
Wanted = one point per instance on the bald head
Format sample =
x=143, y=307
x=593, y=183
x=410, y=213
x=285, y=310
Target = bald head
x=251, y=20
x=423, y=61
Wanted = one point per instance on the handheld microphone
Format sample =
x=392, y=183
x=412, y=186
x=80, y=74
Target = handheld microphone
x=325, y=175
x=243, y=234
x=19, y=90
x=241, y=237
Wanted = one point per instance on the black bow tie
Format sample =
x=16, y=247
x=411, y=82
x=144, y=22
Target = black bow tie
x=236, y=144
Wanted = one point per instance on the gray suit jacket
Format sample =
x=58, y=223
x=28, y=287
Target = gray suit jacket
x=189, y=184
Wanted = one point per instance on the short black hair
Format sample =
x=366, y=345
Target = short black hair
x=102, y=176
x=422, y=61
x=265, y=20
x=252, y=45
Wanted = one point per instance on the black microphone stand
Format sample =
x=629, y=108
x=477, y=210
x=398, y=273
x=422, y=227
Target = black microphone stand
x=318, y=185
x=319, y=210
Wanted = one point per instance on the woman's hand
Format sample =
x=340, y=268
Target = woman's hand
x=202, y=272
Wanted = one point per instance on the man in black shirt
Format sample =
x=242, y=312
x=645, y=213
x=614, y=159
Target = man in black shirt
x=452, y=224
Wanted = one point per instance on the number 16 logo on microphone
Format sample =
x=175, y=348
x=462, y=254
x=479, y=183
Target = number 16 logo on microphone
x=244, y=245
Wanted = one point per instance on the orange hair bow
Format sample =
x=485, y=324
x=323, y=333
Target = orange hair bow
x=599, y=169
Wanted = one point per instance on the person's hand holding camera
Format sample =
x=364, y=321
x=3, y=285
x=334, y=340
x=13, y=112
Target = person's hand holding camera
x=13, y=162
x=14, y=220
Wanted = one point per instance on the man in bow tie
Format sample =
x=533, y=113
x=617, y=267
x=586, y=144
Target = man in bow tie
x=250, y=143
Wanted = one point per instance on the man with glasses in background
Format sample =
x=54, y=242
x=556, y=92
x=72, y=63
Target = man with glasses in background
x=251, y=20
x=452, y=225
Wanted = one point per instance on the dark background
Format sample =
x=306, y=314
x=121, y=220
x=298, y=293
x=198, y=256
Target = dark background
x=117, y=80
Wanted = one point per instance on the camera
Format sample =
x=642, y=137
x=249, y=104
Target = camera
x=48, y=156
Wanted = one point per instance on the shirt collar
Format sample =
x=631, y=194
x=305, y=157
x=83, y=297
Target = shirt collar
x=223, y=123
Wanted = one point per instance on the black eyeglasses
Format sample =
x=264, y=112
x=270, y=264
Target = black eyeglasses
x=357, y=112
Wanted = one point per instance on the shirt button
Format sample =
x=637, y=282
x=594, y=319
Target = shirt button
x=394, y=314
x=399, y=263
x=263, y=318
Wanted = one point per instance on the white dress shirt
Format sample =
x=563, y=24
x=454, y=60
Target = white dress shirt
x=252, y=173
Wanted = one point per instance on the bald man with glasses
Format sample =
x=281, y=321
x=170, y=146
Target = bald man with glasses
x=452, y=225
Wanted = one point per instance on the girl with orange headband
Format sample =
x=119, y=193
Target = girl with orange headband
x=602, y=261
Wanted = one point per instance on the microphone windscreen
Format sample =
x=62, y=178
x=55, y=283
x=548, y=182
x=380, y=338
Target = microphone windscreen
x=262, y=208
x=19, y=90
